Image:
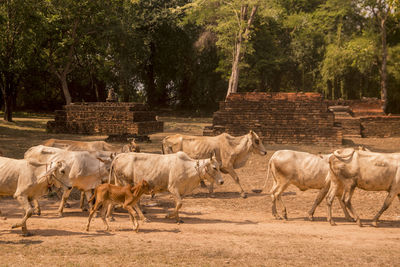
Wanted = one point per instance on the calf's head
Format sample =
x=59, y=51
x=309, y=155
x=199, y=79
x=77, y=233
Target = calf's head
x=256, y=144
x=143, y=187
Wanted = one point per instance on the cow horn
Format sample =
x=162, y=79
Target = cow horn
x=339, y=156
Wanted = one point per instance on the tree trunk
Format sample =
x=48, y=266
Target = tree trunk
x=8, y=103
x=384, y=97
x=7, y=87
x=151, y=87
x=64, y=85
x=237, y=54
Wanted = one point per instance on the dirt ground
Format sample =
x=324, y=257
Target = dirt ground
x=221, y=230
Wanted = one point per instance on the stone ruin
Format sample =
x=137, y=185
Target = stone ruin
x=118, y=120
x=302, y=118
x=281, y=118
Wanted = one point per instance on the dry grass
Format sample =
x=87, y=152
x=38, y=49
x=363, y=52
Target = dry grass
x=224, y=230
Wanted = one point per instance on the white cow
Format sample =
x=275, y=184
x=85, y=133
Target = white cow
x=367, y=170
x=305, y=171
x=27, y=180
x=231, y=152
x=176, y=173
x=90, y=145
x=87, y=169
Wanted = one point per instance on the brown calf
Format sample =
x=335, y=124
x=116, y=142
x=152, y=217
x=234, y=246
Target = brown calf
x=127, y=196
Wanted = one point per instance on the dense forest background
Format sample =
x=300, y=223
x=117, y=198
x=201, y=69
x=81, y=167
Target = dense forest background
x=180, y=53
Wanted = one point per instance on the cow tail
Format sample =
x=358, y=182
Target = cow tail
x=269, y=173
x=112, y=173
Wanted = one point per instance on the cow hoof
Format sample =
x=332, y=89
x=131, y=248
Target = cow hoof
x=15, y=226
x=179, y=221
x=84, y=209
x=332, y=223
x=60, y=215
x=350, y=219
x=67, y=205
x=310, y=218
x=26, y=234
x=146, y=220
x=374, y=224
x=243, y=195
x=202, y=184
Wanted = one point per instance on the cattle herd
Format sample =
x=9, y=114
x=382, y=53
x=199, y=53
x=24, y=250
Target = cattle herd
x=121, y=175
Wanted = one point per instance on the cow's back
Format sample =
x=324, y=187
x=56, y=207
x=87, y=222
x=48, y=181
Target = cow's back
x=305, y=170
x=196, y=147
x=155, y=168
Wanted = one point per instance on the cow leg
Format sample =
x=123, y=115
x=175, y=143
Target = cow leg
x=322, y=193
x=273, y=198
x=178, y=205
x=63, y=200
x=36, y=207
x=276, y=193
x=347, y=215
x=82, y=201
x=235, y=178
x=88, y=194
x=347, y=201
x=28, y=213
x=386, y=205
x=329, y=199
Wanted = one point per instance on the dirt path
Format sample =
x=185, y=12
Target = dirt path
x=220, y=230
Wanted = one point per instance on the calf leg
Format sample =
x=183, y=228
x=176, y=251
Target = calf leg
x=386, y=204
x=91, y=213
x=235, y=178
x=63, y=200
x=28, y=213
x=140, y=213
x=88, y=195
x=103, y=214
x=133, y=218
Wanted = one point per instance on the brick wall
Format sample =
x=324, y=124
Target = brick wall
x=380, y=126
x=282, y=118
x=107, y=118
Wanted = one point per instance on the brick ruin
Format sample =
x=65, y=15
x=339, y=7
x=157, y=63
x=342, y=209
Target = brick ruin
x=302, y=118
x=281, y=118
x=117, y=120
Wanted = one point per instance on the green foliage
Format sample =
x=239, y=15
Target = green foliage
x=178, y=53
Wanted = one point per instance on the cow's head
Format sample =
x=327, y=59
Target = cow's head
x=212, y=172
x=59, y=174
x=256, y=144
x=107, y=161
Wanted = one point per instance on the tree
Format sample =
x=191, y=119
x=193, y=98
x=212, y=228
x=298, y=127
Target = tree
x=382, y=11
x=231, y=21
x=18, y=19
x=73, y=27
